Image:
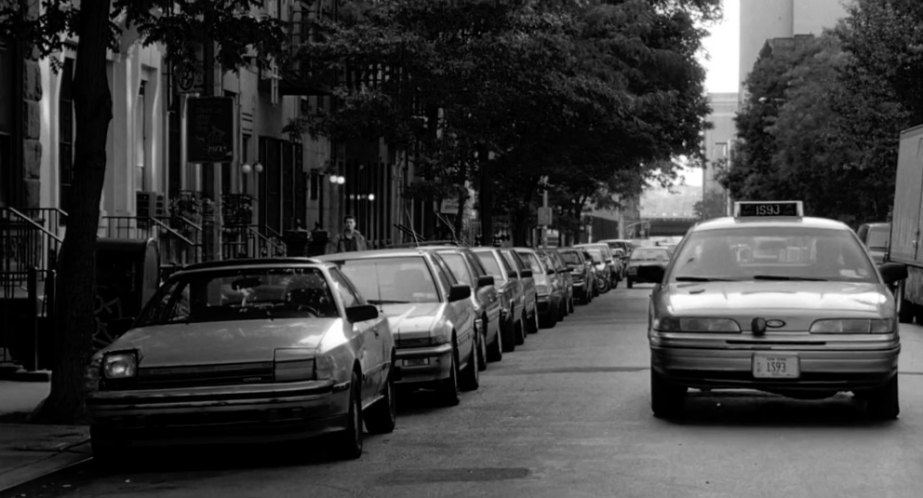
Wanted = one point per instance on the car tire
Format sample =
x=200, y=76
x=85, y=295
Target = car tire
x=482, y=347
x=667, y=399
x=509, y=337
x=905, y=309
x=381, y=417
x=469, y=379
x=108, y=450
x=629, y=283
x=348, y=442
x=602, y=286
x=519, y=333
x=495, y=348
x=532, y=323
x=447, y=390
x=884, y=403
x=570, y=304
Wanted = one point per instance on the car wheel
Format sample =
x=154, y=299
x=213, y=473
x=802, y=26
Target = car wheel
x=381, y=417
x=470, y=380
x=883, y=403
x=495, y=348
x=519, y=333
x=348, y=442
x=509, y=337
x=108, y=450
x=570, y=304
x=482, y=347
x=603, y=285
x=667, y=399
x=629, y=283
x=447, y=389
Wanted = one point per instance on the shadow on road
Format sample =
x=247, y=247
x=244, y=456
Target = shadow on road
x=757, y=409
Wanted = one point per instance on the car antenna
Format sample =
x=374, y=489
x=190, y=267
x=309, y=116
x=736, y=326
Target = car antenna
x=443, y=219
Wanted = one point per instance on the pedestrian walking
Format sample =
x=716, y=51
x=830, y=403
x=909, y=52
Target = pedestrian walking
x=350, y=239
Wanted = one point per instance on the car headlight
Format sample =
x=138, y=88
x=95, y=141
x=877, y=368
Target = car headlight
x=853, y=326
x=293, y=364
x=542, y=289
x=120, y=364
x=675, y=324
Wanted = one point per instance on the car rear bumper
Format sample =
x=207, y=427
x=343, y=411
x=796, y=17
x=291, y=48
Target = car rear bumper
x=819, y=370
x=423, y=365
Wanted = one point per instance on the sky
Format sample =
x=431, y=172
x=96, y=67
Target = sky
x=722, y=49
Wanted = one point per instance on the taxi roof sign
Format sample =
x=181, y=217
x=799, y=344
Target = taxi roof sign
x=768, y=209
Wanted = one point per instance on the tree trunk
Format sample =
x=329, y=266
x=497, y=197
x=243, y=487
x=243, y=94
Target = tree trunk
x=72, y=340
x=485, y=197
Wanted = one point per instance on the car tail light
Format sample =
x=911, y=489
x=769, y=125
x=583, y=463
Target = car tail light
x=853, y=326
x=696, y=324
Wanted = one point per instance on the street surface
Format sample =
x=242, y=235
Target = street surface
x=567, y=415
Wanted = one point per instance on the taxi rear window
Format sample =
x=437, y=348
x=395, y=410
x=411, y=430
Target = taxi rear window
x=776, y=253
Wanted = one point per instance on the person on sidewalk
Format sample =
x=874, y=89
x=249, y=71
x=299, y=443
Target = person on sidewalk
x=350, y=239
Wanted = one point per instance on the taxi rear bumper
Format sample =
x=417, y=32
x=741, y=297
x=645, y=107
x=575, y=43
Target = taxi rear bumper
x=819, y=370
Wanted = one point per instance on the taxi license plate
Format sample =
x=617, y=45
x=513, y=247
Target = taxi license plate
x=775, y=366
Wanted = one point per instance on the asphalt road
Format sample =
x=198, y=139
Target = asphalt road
x=567, y=415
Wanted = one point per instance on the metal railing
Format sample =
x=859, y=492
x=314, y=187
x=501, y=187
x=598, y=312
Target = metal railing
x=249, y=241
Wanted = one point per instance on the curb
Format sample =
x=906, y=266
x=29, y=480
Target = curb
x=67, y=457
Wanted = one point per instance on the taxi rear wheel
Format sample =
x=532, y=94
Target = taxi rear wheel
x=883, y=403
x=495, y=349
x=629, y=283
x=667, y=399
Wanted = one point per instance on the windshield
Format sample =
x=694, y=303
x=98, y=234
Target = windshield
x=490, y=265
x=570, y=258
x=650, y=254
x=772, y=253
x=241, y=294
x=878, y=238
x=387, y=280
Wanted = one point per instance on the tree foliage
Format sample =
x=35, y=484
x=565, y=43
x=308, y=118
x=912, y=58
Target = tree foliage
x=822, y=119
x=592, y=95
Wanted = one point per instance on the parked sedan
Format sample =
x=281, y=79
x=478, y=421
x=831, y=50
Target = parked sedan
x=524, y=273
x=646, y=264
x=549, y=290
x=430, y=314
x=467, y=269
x=567, y=279
x=231, y=351
x=512, y=298
x=581, y=273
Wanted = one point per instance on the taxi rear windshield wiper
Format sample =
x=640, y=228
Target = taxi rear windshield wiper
x=701, y=279
x=783, y=277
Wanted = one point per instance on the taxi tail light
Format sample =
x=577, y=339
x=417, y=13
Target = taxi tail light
x=710, y=325
x=853, y=326
x=120, y=365
x=293, y=364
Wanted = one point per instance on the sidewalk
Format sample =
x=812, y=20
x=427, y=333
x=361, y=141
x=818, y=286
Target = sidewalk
x=30, y=451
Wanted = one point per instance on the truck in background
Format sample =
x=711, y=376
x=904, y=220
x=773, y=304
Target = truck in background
x=905, y=240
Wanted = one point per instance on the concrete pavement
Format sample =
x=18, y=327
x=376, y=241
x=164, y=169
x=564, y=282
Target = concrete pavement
x=29, y=451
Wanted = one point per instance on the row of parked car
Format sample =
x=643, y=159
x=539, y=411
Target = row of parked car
x=289, y=348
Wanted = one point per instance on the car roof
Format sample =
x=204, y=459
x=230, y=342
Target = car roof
x=731, y=222
x=251, y=262
x=373, y=253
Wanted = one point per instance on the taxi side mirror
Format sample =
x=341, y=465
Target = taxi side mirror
x=485, y=280
x=892, y=272
x=361, y=313
x=459, y=292
x=527, y=274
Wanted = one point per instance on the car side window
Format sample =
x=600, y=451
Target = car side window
x=345, y=289
x=456, y=264
x=443, y=274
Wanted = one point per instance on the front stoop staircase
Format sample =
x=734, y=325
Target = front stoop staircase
x=29, y=245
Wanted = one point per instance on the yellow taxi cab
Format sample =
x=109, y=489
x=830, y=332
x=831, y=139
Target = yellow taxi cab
x=774, y=301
